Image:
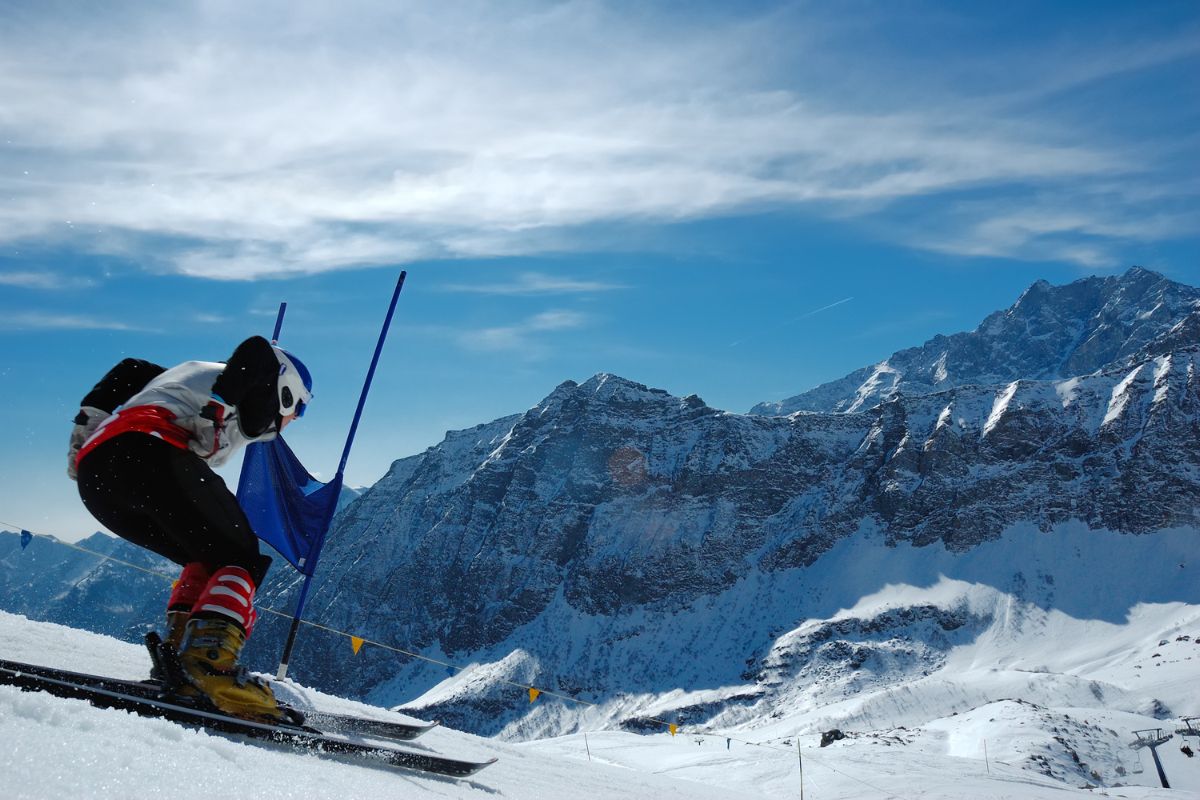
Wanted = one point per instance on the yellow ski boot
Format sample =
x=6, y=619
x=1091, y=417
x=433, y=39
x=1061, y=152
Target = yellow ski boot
x=222, y=618
x=209, y=658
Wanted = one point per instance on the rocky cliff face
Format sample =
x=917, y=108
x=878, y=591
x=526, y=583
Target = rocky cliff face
x=624, y=496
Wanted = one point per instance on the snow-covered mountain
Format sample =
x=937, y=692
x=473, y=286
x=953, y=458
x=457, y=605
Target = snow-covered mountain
x=1050, y=333
x=101, y=584
x=1014, y=541
x=616, y=540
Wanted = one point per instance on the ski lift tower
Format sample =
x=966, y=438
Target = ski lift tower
x=1153, y=738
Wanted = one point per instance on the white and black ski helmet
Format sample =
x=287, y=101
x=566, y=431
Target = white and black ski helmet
x=294, y=383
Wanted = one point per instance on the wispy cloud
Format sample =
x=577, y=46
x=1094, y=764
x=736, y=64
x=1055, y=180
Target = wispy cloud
x=205, y=318
x=1089, y=229
x=43, y=280
x=256, y=142
x=30, y=320
x=534, y=283
x=525, y=336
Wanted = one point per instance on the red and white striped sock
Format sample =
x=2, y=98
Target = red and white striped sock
x=229, y=593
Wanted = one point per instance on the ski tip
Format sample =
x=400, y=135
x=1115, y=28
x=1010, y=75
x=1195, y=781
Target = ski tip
x=478, y=767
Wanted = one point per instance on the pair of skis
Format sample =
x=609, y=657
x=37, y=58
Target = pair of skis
x=320, y=731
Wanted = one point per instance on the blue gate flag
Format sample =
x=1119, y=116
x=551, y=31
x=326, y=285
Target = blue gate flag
x=288, y=508
x=26, y=538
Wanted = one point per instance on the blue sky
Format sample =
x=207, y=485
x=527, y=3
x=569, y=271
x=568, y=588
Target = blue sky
x=739, y=201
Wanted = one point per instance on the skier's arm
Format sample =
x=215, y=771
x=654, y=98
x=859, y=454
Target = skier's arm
x=248, y=384
x=120, y=383
x=243, y=405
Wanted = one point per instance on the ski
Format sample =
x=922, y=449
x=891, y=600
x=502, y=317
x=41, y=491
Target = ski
x=327, y=721
x=151, y=701
x=364, y=726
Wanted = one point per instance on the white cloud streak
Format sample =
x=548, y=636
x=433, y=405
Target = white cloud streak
x=32, y=320
x=535, y=283
x=271, y=139
x=524, y=337
x=43, y=280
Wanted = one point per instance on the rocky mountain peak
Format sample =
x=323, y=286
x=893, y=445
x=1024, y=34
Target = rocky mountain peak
x=604, y=387
x=609, y=395
x=1050, y=332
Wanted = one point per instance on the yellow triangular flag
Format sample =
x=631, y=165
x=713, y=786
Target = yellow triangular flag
x=356, y=643
x=673, y=728
x=533, y=694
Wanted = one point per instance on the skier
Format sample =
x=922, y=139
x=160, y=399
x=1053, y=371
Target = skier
x=144, y=471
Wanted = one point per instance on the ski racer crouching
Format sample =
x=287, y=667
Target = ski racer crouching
x=144, y=471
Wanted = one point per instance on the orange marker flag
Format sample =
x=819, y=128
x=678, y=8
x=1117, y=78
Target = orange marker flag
x=533, y=694
x=356, y=643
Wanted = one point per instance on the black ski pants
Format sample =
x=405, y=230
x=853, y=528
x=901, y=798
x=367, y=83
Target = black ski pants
x=168, y=500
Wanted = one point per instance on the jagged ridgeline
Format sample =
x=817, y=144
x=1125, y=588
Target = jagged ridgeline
x=661, y=558
x=1050, y=333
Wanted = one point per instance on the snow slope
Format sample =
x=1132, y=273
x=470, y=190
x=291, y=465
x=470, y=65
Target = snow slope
x=57, y=748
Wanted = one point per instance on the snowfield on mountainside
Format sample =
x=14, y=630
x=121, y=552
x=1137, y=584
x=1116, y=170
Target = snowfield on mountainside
x=67, y=748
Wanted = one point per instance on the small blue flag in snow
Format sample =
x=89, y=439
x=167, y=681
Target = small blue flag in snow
x=26, y=538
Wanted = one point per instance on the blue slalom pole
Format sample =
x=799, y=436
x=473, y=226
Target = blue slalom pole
x=278, y=323
x=362, y=398
x=311, y=563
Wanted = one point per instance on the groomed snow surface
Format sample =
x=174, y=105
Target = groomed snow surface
x=56, y=748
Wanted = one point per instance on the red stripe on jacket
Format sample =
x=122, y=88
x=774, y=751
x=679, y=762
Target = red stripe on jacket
x=151, y=420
